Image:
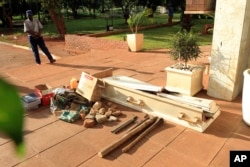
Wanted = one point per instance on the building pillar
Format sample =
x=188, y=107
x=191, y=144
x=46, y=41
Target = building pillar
x=230, y=54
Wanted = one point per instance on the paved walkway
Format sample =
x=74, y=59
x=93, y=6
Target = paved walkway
x=51, y=142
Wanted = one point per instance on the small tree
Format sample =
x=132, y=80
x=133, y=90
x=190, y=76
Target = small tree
x=136, y=20
x=185, y=47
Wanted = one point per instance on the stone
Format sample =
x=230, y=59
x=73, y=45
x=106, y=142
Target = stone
x=97, y=105
x=112, y=118
x=89, y=123
x=117, y=113
x=102, y=111
x=100, y=118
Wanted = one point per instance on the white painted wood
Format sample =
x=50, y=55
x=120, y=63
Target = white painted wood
x=171, y=110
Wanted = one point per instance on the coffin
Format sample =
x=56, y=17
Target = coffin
x=192, y=112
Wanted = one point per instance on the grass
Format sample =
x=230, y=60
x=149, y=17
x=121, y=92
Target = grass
x=156, y=38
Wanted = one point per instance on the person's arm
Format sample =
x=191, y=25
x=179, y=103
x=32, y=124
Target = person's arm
x=40, y=28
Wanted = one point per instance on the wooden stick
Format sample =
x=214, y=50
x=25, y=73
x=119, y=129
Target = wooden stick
x=123, y=125
x=143, y=134
x=146, y=117
x=125, y=137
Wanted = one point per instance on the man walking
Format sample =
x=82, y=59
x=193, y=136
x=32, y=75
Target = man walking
x=34, y=28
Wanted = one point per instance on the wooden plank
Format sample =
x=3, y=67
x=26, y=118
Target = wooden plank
x=103, y=74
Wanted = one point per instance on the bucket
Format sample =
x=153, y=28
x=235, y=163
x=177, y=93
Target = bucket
x=246, y=97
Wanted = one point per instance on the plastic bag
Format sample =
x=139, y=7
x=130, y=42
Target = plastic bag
x=69, y=116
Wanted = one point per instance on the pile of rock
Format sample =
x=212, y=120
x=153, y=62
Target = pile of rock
x=100, y=113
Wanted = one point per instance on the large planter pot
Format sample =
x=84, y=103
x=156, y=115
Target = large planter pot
x=246, y=97
x=183, y=81
x=135, y=42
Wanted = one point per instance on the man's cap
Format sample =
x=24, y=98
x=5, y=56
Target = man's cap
x=29, y=12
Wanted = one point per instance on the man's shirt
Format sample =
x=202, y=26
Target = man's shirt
x=34, y=25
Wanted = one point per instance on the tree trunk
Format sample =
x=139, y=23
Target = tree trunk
x=57, y=17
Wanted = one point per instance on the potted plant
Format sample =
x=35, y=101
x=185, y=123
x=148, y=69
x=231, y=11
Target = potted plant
x=135, y=21
x=183, y=77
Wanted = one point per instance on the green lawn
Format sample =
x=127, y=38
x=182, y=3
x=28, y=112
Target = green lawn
x=155, y=38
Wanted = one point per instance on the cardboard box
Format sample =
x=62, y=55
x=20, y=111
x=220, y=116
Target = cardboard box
x=31, y=101
x=43, y=89
x=90, y=87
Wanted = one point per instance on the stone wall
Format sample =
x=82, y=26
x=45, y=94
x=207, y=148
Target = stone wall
x=83, y=44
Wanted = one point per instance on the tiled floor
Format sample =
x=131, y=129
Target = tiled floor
x=51, y=142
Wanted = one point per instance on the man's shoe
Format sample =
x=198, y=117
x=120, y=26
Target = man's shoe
x=52, y=61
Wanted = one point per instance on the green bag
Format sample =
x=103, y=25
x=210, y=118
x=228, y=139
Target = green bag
x=69, y=116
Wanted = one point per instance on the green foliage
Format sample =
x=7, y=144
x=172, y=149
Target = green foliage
x=136, y=20
x=185, y=47
x=11, y=115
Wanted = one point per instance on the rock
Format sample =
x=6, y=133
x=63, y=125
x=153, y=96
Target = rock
x=93, y=111
x=114, y=106
x=108, y=113
x=100, y=118
x=117, y=113
x=102, y=111
x=89, y=116
x=112, y=118
x=89, y=123
x=97, y=105
x=82, y=115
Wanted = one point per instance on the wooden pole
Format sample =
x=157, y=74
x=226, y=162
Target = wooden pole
x=143, y=134
x=123, y=125
x=125, y=137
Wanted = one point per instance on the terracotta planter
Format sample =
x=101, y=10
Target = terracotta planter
x=246, y=97
x=183, y=81
x=135, y=42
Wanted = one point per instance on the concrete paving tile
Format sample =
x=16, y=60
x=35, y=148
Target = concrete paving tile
x=142, y=77
x=139, y=154
x=165, y=133
x=222, y=157
x=22, y=87
x=114, y=64
x=104, y=133
x=103, y=162
x=124, y=72
x=202, y=147
x=35, y=72
x=71, y=152
x=37, y=119
x=152, y=69
x=47, y=137
x=59, y=79
x=224, y=125
x=172, y=157
x=158, y=79
x=37, y=161
x=8, y=60
x=9, y=157
x=72, y=128
x=238, y=141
